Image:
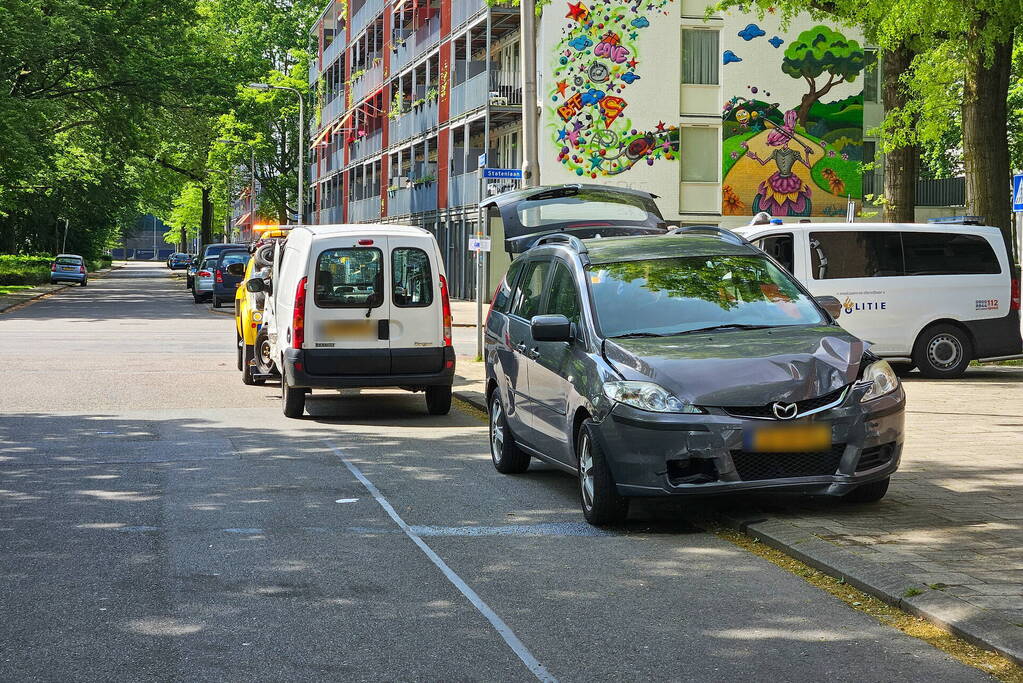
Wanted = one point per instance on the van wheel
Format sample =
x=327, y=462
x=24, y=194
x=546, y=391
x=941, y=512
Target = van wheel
x=507, y=456
x=438, y=400
x=264, y=361
x=902, y=369
x=292, y=399
x=868, y=493
x=942, y=352
x=601, y=502
x=239, y=348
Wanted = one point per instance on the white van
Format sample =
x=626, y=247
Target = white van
x=926, y=296
x=360, y=306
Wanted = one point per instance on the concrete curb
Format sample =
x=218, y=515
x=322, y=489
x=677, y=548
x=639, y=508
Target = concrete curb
x=42, y=290
x=473, y=398
x=948, y=612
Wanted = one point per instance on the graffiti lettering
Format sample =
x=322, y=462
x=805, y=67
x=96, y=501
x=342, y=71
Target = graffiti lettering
x=611, y=107
x=572, y=106
x=616, y=53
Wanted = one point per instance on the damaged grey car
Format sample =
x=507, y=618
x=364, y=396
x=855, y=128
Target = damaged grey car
x=680, y=364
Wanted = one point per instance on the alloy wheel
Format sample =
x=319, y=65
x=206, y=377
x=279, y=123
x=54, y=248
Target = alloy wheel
x=496, y=431
x=586, y=470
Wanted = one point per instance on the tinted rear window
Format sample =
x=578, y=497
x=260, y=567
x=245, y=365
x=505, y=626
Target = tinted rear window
x=850, y=254
x=349, y=278
x=66, y=261
x=233, y=257
x=503, y=295
x=939, y=253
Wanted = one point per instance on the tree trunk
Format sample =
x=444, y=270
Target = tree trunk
x=206, y=224
x=805, y=104
x=985, y=132
x=901, y=165
x=183, y=240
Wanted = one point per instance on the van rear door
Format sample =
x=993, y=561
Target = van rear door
x=348, y=307
x=416, y=325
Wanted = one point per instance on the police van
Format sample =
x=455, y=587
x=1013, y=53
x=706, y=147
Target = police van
x=928, y=297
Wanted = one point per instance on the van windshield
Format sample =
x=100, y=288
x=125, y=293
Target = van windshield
x=678, y=295
x=349, y=278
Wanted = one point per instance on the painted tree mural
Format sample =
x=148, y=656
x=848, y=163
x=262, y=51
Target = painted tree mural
x=817, y=52
x=596, y=61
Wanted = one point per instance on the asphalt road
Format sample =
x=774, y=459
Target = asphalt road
x=161, y=521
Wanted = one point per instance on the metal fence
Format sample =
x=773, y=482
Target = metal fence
x=469, y=95
x=943, y=192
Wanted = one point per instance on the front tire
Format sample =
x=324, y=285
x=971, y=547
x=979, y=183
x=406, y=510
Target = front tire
x=508, y=458
x=239, y=352
x=602, y=504
x=85, y=283
x=438, y=400
x=247, y=357
x=264, y=361
x=292, y=399
x=943, y=352
x=868, y=493
x=216, y=301
x=195, y=297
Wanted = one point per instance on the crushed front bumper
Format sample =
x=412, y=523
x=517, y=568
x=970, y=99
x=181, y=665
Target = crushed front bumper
x=655, y=454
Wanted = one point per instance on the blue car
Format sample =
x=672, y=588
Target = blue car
x=224, y=283
x=69, y=268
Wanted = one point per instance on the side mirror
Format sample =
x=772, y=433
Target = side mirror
x=255, y=284
x=550, y=328
x=830, y=304
x=236, y=269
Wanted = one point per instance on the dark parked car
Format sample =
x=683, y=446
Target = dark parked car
x=206, y=252
x=224, y=283
x=178, y=261
x=684, y=364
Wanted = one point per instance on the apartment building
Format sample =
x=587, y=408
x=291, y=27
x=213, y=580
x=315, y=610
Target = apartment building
x=410, y=95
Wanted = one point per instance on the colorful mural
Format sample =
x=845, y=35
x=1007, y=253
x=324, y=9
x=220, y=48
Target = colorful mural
x=595, y=63
x=793, y=153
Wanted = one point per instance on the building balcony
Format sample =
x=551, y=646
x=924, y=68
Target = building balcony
x=415, y=199
x=331, y=52
x=421, y=119
x=331, y=110
x=463, y=10
x=314, y=69
x=469, y=95
x=328, y=216
x=465, y=190
x=363, y=210
x=416, y=43
x=368, y=83
x=365, y=14
x=367, y=146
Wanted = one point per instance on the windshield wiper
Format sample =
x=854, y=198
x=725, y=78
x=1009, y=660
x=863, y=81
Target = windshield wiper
x=633, y=335
x=727, y=326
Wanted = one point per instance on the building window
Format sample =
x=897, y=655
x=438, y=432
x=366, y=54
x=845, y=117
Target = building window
x=699, y=154
x=699, y=56
x=871, y=81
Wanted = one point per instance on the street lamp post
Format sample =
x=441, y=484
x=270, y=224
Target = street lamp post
x=301, y=142
x=252, y=175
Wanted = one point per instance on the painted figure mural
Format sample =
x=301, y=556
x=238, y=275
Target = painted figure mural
x=596, y=61
x=793, y=153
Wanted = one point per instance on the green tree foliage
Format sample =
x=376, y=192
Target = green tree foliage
x=817, y=52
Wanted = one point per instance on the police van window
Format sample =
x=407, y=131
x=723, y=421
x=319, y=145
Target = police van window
x=503, y=295
x=564, y=297
x=349, y=278
x=529, y=293
x=780, y=248
x=413, y=280
x=849, y=254
x=940, y=253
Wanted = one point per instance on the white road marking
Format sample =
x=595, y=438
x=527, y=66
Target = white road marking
x=346, y=500
x=497, y=622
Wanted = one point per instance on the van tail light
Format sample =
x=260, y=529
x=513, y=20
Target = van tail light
x=204, y=273
x=53, y=266
x=219, y=276
x=446, y=309
x=81, y=269
x=298, y=317
x=1014, y=295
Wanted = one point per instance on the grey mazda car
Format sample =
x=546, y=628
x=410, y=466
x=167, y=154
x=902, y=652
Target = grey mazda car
x=685, y=363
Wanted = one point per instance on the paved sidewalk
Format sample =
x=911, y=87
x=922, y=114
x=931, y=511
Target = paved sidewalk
x=463, y=313
x=17, y=298
x=946, y=543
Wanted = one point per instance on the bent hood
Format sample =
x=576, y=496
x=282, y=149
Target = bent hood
x=743, y=367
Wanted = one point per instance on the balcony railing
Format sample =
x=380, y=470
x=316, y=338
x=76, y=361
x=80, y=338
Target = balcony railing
x=468, y=95
x=330, y=53
x=369, y=82
x=424, y=117
x=367, y=146
x=505, y=88
x=462, y=10
x=415, y=43
x=465, y=190
x=362, y=210
x=415, y=199
x=329, y=215
x=365, y=15
x=314, y=69
x=331, y=110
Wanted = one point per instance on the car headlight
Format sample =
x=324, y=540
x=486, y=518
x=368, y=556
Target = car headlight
x=258, y=317
x=647, y=396
x=882, y=380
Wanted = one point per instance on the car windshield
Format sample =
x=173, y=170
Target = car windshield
x=678, y=295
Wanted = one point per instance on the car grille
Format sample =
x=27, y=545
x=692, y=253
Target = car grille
x=758, y=466
x=875, y=456
x=802, y=407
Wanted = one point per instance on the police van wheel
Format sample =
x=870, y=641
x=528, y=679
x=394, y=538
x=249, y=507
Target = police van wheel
x=943, y=352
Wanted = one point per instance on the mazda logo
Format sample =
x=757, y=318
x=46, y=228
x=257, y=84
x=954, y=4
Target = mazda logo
x=784, y=411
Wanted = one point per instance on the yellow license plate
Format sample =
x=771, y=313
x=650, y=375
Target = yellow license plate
x=349, y=329
x=788, y=439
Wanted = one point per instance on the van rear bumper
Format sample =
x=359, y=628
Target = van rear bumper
x=296, y=371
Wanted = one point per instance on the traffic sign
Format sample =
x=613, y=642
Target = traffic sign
x=479, y=244
x=1017, y=192
x=508, y=173
x=481, y=160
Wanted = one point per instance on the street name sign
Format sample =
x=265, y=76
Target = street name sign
x=506, y=173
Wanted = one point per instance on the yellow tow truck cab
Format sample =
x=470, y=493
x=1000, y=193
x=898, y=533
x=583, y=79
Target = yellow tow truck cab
x=248, y=315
